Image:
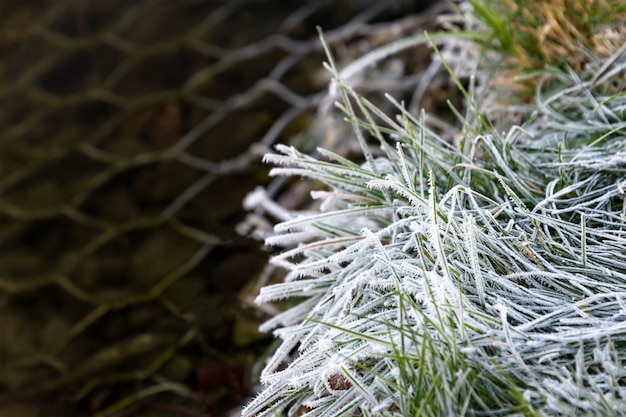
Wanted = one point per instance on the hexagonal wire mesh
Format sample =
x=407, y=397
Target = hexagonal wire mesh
x=130, y=134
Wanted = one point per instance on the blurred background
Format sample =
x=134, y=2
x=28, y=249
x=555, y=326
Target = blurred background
x=130, y=133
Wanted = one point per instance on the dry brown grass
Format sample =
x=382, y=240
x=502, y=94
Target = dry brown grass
x=561, y=32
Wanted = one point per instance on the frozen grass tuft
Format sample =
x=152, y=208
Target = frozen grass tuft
x=487, y=278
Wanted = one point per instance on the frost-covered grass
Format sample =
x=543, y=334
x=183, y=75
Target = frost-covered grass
x=486, y=277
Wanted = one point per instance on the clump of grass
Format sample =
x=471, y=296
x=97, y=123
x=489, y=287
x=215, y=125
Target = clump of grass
x=482, y=278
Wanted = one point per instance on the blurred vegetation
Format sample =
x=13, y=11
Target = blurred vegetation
x=535, y=35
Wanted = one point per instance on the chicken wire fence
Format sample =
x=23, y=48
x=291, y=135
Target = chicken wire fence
x=130, y=133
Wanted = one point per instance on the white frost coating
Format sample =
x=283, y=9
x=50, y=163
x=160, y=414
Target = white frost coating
x=467, y=288
x=260, y=198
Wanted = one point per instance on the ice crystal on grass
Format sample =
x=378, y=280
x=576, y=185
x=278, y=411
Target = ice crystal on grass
x=483, y=279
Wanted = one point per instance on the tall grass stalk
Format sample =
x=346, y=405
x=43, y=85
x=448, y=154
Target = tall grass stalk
x=485, y=278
